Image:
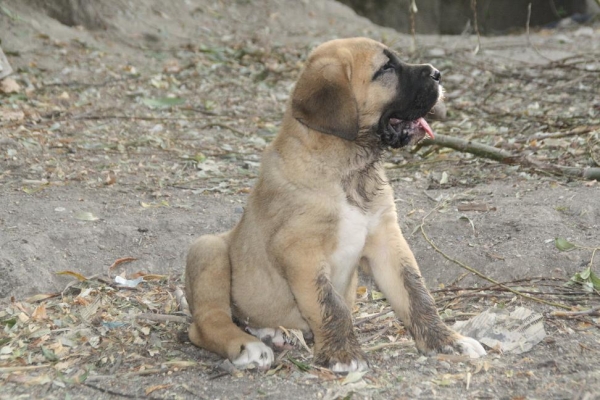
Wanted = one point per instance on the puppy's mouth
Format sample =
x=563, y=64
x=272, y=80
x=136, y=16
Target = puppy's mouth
x=400, y=132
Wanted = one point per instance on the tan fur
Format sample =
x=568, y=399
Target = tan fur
x=275, y=268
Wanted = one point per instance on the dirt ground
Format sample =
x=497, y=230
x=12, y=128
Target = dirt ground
x=133, y=140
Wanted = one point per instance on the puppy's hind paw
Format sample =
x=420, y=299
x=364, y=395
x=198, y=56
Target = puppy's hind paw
x=270, y=336
x=255, y=353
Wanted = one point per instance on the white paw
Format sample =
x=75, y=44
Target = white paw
x=470, y=347
x=255, y=353
x=269, y=336
x=360, y=365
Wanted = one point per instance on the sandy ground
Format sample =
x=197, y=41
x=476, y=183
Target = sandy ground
x=91, y=173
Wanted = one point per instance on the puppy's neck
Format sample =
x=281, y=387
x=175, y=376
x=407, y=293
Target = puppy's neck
x=327, y=160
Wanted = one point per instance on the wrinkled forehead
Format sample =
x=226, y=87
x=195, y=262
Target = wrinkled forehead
x=362, y=51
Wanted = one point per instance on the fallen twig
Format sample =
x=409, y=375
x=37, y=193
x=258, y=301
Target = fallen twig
x=489, y=287
x=24, y=368
x=162, y=317
x=385, y=345
x=376, y=335
x=468, y=146
x=481, y=275
x=113, y=392
x=580, y=130
x=506, y=157
x=371, y=317
x=224, y=126
x=595, y=311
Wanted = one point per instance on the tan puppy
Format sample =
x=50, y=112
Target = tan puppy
x=322, y=206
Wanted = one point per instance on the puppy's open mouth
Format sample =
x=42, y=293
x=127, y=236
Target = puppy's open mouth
x=397, y=132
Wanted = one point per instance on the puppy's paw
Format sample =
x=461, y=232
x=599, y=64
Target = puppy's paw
x=254, y=353
x=343, y=361
x=467, y=346
x=270, y=336
x=354, y=365
x=470, y=347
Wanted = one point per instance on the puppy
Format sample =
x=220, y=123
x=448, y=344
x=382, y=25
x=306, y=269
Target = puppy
x=322, y=206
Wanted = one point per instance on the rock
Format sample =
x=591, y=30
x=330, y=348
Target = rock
x=9, y=85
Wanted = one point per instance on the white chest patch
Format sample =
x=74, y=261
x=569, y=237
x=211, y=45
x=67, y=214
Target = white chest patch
x=352, y=231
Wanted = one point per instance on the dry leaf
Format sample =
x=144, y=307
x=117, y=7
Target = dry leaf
x=181, y=363
x=40, y=297
x=111, y=178
x=475, y=207
x=86, y=216
x=62, y=365
x=58, y=348
x=151, y=389
x=40, y=312
x=163, y=203
x=11, y=115
x=23, y=317
x=377, y=295
x=121, y=261
x=94, y=341
x=149, y=277
x=361, y=293
x=73, y=274
x=26, y=380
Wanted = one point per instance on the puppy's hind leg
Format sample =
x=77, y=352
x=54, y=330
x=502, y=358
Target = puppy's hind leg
x=208, y=290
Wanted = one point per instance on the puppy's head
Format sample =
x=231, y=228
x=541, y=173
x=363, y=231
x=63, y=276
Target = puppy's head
x=354, y=87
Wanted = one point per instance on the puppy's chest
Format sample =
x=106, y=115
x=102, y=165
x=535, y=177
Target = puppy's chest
x=354, y=226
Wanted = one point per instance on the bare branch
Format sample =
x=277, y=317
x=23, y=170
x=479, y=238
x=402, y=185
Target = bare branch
x=505, y=157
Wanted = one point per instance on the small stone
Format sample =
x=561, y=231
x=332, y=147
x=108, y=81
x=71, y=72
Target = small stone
x=9, y=85
x=416, y=392
x=421, y=360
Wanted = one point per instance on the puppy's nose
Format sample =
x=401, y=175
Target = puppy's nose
x=436, y=75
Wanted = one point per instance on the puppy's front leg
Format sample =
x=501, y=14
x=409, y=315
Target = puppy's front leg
x=326, y=312
x=397, y=274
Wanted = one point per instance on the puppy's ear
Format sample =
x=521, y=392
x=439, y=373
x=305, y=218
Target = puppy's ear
x=323, y=99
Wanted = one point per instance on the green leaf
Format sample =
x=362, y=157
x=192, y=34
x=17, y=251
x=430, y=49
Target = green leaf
x=49, y=354
x=563, y=245
x=585, y=274
x=199, y=157
x=301, y=366
x=10, y=322
x=587, y=278
x=163, y=102
x=595, y=280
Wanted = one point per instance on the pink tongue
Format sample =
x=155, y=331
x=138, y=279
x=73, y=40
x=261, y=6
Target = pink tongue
x=426, y=127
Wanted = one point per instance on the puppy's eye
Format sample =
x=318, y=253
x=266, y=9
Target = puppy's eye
x=389, y=66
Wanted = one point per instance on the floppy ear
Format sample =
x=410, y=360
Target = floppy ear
x=323, y=99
